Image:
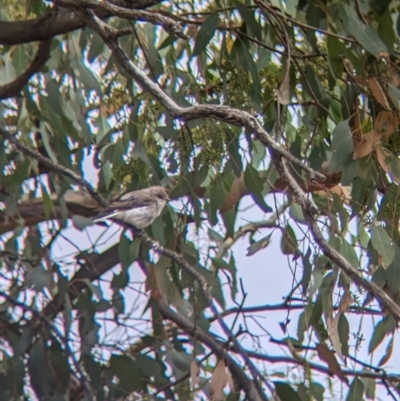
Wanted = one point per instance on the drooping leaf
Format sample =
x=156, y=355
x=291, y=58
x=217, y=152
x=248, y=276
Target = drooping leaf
x=289, y=241
x=325, y=354
x=342, y=146
x=377, y=336
x=388, y=353
x=254, y=184
x=286, y=392
x=258, y=245
x=356, y=390
x=382, y=243
x=364, y=34
x=205, y=33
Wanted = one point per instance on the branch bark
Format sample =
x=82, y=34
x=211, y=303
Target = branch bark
x=55, y=22
x=32, y=212
x=14, y=88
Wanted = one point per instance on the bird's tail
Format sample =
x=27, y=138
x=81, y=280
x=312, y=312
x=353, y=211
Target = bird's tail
x=104, y=216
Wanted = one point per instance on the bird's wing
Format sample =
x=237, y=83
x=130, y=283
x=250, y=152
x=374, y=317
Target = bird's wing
x=131, y=201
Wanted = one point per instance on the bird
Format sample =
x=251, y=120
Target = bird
x=138, y=208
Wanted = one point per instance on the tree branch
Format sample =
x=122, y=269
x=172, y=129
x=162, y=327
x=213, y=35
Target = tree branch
x=55, y=22
x=32, y=212
x=14, y=88
x=170, y=26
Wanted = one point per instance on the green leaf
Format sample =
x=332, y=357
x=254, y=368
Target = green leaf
x=217, y=199
x=95, y=289
x=356, y=390
x=215, y=236
x=254, y=183
x=127, y=250
x=248, y=16
x=342, y=146
x=128, y=374
x=38, y=278
x=388, y=352
x=20, y=59
x=377, y=336
x=104, y=128
x=257, y=246
x=118, y=302
x=348, y=252
x=344, y=330
x=291, y=7
x=365, y=35
x=235, y=158
x=336, y=50
x=167, y=286
x=288, y=241
x=96, y=47
x=386, y=31
x=389, y=162
x=93, y=369
x=121, y=280
x=305, y=280
x=285, y=392
x=107, y=172
x=36, y=365
x=46, y=141
x=205, y=34
x=87, y=77
x=369, y=386
x=7, y=70
x=382, y=243
x=317, y=390
x=48, y=204
x=24, y=342
x=296, y=213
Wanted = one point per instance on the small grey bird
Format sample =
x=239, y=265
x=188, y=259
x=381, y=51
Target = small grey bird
x=139, y=208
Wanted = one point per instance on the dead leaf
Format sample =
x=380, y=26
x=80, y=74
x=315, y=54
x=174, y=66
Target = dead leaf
x=388, y=353
x=386, y=123
x=378, y=93
x=283, y=92
x=218, y=382
x=230, y=381
x=389, y=162
x=332, y=326
x=348, y=65
x=326, y=355
x=194, y=373
x=151, y=284
x=366, y=144
x=343, y=191
x=236, y=193
x=345, y=302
